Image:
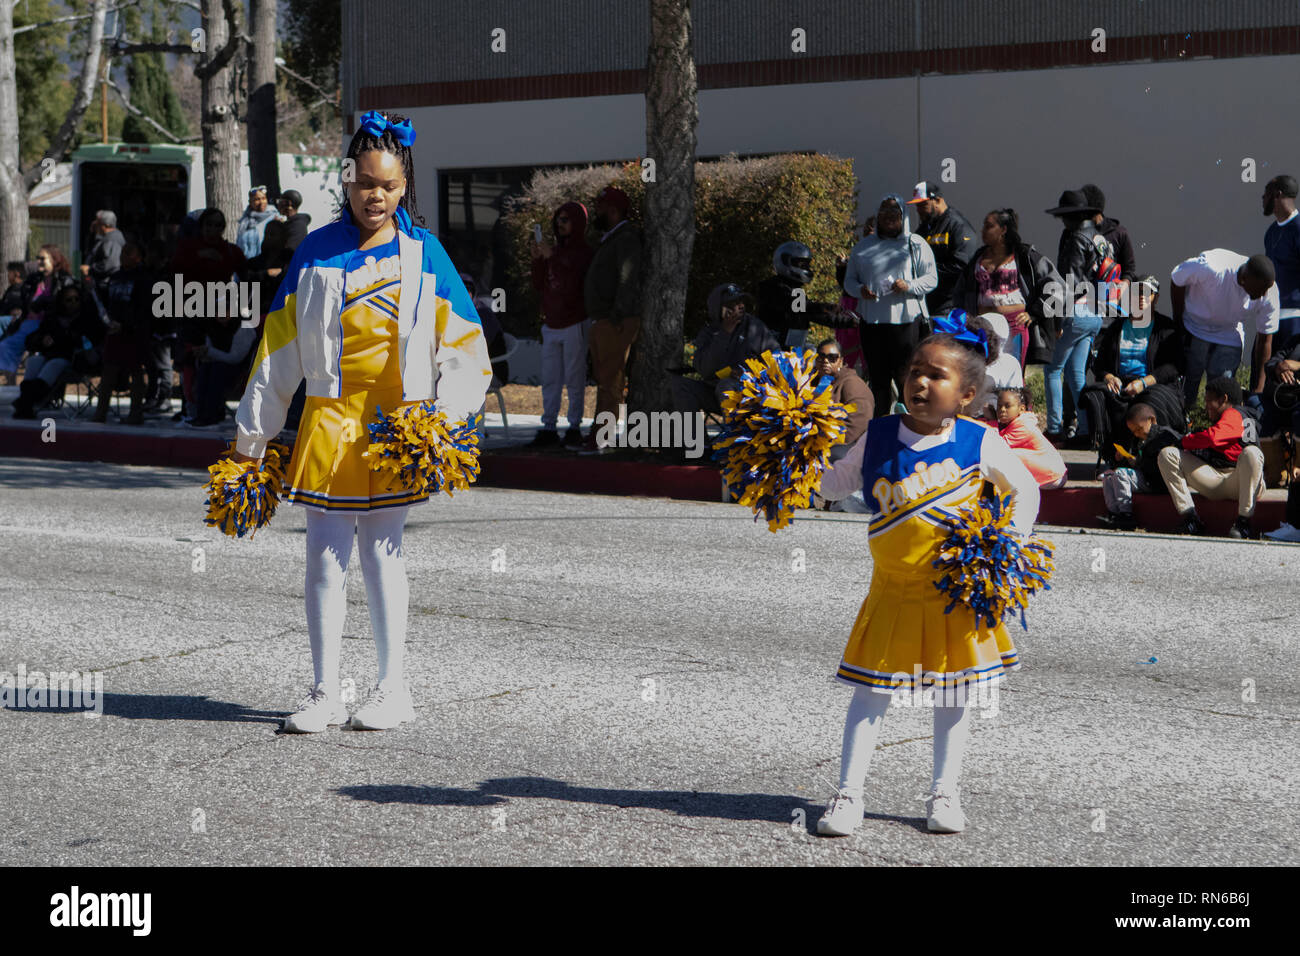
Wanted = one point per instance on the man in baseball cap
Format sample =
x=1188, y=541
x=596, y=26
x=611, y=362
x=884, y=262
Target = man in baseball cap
x=951, y=238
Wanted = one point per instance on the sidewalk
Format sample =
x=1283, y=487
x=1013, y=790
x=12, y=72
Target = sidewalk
x=507, y=463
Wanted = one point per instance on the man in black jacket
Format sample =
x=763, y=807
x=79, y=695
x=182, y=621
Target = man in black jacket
x=783, y=303
x=298, y=222
x=1115, y=233
x=730, y=337
x=951, y=237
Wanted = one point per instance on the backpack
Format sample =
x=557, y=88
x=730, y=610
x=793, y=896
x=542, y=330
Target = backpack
x=1249, y=424
x=1106, y=269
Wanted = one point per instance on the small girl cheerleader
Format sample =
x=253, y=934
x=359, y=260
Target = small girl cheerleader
x=373, y=314
x=917, y=470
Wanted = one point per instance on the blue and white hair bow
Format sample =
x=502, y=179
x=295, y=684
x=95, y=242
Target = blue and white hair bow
x=954, y=324
x=376, y=124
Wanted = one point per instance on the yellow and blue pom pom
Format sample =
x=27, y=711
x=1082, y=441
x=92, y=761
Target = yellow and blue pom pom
x=242, y=495
x=988, y=567
x=426, y=453
x=778, y=429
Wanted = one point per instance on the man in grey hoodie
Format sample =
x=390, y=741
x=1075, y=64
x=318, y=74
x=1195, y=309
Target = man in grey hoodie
x=890, y=272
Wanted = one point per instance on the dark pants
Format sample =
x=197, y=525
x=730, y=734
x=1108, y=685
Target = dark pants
x=109, y=379
x=1206, y=358
x=692, y=395
x=1106, y=412
x=887, y=349
x=158, y=369
x=214, y=381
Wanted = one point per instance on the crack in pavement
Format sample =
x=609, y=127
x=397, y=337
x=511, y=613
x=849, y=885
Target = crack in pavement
x=194, y=650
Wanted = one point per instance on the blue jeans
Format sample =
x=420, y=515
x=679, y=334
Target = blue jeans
x=1070, y=361
x=1208, y=359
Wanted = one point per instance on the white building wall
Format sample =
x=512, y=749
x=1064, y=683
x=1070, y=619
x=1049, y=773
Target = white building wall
x=1164, y=141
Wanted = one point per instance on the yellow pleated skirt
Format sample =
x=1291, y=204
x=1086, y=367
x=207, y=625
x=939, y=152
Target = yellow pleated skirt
x=902, y=638
x=327, y=471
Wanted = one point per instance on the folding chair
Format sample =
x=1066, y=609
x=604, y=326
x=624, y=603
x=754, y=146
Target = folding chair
x=495, y=387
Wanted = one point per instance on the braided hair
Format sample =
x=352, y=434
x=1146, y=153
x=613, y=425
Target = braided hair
x=363, y=142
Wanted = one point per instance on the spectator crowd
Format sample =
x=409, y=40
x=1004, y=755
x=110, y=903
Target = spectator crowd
x=1121, y=376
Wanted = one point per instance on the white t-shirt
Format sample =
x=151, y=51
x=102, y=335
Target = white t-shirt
x=1216, y=306
x=1004, y=372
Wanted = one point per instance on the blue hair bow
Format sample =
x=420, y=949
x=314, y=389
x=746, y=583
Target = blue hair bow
x=954, y=324
x=376, y=124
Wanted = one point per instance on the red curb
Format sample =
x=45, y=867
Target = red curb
x=1070, y=507
x=595, y=476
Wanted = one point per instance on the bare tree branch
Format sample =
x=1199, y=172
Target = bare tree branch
x=119, y=48
x=136, y=111
x=85, y=88
x=68, y=19
x=233, y=43
x=326, y=96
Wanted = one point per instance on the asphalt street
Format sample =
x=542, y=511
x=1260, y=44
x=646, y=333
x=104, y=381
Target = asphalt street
x=616, y=681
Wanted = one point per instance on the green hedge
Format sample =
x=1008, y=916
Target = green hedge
x=744, y=209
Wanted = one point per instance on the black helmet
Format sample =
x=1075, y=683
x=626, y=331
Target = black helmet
x=793, y=261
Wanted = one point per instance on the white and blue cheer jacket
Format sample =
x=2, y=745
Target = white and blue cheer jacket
x=444, y=354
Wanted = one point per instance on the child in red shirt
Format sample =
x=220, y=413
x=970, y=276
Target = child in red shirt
x=1018, y=427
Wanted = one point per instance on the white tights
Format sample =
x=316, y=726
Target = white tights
x=383, y=565
x=862, y=728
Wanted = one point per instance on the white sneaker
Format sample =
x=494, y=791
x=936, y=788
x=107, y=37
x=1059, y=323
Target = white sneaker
x=384, y=709
x=843, y=815
x=943, y=811
x=317, y=711
x=1285, y=533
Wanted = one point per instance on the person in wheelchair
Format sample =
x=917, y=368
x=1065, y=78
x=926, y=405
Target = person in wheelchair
x=1139, y=359
x=64, y=344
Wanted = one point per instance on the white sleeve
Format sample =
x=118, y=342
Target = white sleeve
x=1189, y=272
x=845, y=476
x=1268, y=312
x=1002, y=466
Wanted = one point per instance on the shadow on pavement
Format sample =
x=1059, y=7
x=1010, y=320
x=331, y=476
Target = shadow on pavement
x=686, y=803
x=166, y=707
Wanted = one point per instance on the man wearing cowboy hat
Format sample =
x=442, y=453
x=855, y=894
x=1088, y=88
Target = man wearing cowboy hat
x=1081, y=248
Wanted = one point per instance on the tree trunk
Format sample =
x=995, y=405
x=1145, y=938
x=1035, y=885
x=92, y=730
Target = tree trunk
x=671, y=117
x=220, y=128
x=263, y=151
x=13, y=194
x=15, y=184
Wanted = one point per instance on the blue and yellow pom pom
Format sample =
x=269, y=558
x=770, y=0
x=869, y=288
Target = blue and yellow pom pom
x=778, y=429
x=242, y=495
x=988, y=567
x=417, y=445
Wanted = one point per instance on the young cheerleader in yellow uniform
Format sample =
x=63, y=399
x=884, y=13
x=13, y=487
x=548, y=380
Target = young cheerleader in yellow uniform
x=375, y=317
x=916, y=471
